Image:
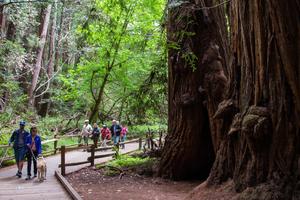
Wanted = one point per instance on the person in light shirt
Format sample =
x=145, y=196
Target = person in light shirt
x=86, y=132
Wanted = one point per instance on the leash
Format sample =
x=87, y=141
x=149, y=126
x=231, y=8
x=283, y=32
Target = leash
x=2, y=159
x=33, y=155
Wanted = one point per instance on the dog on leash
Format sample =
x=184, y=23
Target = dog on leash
x=41, y=168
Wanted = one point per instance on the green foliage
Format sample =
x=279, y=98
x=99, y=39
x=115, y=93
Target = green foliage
x=124, y=162
x=141, y=130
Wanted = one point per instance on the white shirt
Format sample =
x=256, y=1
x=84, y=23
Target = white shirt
x=86, y=130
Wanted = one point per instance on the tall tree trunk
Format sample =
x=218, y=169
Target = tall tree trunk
x=196, y=81
x=50, y=68
x=260, y=149
x=38, y=65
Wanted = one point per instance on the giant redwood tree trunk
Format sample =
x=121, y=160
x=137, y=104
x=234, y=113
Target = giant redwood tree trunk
x=255, y=129
x=196, y=85
x=264, y=135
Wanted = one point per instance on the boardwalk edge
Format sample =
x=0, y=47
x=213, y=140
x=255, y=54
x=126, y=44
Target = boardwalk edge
x=67, y=186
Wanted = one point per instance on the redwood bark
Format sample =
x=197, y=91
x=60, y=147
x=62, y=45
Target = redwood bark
x=38, y=65
x=50, y=68
x=195, y=88
x=254, y=126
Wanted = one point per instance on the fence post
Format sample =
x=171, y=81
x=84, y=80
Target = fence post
x=55, y=144
x=148, y=140
x=92, y=155
x=63, y=160
x=140, y=143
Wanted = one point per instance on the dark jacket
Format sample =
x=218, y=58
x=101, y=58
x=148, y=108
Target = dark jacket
x=38, y=143
x=14, y=138
x=117, y=129
x=96, y=132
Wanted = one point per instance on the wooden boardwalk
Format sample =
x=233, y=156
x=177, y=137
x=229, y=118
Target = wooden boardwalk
x=13, y=188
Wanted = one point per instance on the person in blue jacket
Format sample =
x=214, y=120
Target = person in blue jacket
x=34, y=144
x=18, y=138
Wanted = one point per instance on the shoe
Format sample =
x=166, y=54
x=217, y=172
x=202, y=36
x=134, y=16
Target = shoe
x=19, y=175
x=27, y=178
x=34, y=176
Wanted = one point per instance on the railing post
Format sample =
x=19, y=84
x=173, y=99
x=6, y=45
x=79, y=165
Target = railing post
x=55, y=144
x=92, y=155
x=63, y=160
x=140, y=143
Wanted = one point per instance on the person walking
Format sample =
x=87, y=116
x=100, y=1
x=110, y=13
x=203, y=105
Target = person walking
x=105, y=135
x=95, y=134
x=123, y=135
x=115, y=130
x=86, y=131
x=18, y=138
x=34, y=144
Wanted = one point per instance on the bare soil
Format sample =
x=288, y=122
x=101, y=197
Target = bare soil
x=93, y=184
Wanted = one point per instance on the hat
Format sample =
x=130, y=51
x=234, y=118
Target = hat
x=22, y=123
x=86, y=120
x=104, y=125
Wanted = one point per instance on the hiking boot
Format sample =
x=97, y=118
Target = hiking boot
x=27, y=178
x=19, y=174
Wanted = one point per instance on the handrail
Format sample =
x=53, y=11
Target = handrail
x=70, y=147
x=90, y=159
x=48, y=141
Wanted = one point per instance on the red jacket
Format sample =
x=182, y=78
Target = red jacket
x=105, y=133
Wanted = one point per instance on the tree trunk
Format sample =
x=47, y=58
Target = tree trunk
x=38, y=65
x=262, y=144
x=196, y=81
x=50, y=68
x=255, y=129
x=95, y=108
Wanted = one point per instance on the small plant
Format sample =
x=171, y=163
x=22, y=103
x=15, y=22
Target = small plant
x=124, y=162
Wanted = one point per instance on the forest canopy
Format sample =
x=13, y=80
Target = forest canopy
x=84, y=59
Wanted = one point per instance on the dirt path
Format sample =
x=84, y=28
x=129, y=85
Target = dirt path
x=91, y=184
x=13, y=188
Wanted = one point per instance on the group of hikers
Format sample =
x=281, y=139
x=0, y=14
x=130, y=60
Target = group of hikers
x=28, y=145
x=116, y=132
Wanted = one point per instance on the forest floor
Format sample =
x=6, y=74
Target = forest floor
x=93, y=184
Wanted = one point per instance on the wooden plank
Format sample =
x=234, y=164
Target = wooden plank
x=75, y=163
x=48, y=141
x=67, y=136
x=102, y=156
x=63, y=160
x=77, y=148
x=71, y=191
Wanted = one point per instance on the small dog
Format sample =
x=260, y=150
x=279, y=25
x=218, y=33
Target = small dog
x=42, y=168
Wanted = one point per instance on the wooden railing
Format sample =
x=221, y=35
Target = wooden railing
x=91, y=149
x=148, y=142
x=55, y=149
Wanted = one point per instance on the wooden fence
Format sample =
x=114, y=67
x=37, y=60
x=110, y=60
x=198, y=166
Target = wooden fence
x=55, y=149
x=92, y=150
x=149, y=142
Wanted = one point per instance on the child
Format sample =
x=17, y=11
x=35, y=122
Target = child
x=34, y=145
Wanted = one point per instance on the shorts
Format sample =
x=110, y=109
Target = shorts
x=20, y=153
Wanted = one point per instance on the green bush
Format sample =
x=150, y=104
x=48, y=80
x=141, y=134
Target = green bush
x=124, y=161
